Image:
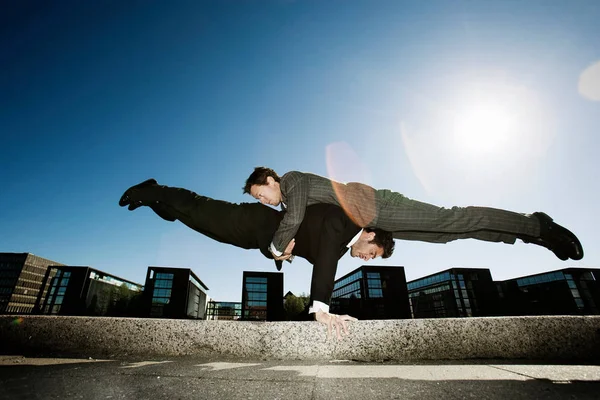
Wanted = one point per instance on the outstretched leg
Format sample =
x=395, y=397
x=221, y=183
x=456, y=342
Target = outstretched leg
x=169, y=203
x=413, y=220
x=250, y=226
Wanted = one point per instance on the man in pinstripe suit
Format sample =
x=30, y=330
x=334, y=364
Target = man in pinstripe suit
x=406, y=218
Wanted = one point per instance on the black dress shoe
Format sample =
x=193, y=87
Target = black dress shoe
x=126, y=198
x=558, y=252
x=558, y=239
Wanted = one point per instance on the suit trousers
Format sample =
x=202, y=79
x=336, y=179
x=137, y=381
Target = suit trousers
x=409, y=219
x=246, y=225
x=182, y=204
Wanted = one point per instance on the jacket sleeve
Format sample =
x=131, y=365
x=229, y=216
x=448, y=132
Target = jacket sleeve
x=296, y=192
x=332, y=246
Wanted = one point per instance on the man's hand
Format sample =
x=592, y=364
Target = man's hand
x=287, y=253
x=334, y=321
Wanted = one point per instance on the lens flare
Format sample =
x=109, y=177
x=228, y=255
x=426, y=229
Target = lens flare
x=356, y=199
x=17, y=321
x=589, y=82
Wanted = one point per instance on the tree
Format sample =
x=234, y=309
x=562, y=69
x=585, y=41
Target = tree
x=294, y=305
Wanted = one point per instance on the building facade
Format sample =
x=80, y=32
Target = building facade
x=21, y=277
x=457, y=292
x=570, y=291
x=74, y=290
x=372, y=292
x=223, y=310
x=174, y=293
x=262, y=296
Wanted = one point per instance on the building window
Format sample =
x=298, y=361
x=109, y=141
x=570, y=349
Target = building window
x=162, y=288
x=58, y=288
x=354, y=277
x=256, y=298
x=549, y=277
x=223, y=310
x=374, y=285
x=574, y=291
x=352, y=290
x=445, y=276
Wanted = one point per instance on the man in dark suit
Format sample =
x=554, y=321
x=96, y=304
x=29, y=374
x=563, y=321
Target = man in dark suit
x=406, y=218
x=323, y=237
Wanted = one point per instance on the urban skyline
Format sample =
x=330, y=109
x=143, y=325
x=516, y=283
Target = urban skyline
x=452, y=103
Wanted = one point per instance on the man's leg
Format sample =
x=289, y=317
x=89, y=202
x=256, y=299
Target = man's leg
x=401, y=214
x=435, y=237
x=245, y=226
x=413, y=220
x=163, y=211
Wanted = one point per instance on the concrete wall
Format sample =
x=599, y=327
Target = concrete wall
x=537, y=338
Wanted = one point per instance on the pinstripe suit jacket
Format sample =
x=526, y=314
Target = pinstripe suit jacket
x=301, y=189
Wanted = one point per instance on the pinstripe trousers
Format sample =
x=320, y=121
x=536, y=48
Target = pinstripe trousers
x=413, y=220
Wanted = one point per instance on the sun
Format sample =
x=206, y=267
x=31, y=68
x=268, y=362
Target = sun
x=477, y=136
x=483, y=128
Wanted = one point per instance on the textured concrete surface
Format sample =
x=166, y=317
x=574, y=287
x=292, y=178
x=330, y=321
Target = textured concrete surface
x=193, y=377
x=539, y=338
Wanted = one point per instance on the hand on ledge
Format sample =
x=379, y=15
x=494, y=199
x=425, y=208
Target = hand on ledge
x=334, y=321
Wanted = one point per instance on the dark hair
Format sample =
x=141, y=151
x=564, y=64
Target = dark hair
x=259, y=177
x=384, y=240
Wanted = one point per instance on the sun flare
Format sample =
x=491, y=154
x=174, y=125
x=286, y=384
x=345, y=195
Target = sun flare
x=483, y=128
x=478, y=134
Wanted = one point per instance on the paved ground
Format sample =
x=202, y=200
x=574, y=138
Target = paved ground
x=201, y=378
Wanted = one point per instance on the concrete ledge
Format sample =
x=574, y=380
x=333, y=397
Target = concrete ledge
x=538, y=338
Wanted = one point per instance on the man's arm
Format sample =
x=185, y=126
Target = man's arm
x=296, y=191
x=335, y=235
x=332, y=240
x=336, y=232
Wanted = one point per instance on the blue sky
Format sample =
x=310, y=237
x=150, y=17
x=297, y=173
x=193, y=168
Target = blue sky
x=452, y=103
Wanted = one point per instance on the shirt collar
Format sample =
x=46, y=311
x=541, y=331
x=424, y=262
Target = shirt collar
x=354, y=239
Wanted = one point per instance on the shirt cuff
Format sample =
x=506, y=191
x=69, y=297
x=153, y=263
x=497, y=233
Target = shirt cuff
x=318, y=306
x=275, y=251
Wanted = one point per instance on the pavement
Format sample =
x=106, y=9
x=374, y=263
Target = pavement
x=193, y=377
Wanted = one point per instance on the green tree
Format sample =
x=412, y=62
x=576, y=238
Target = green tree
x=294, y=305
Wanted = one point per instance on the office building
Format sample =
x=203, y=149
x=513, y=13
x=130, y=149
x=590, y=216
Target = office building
x=74, y=290
x=223, y=310
x=174, y=293
x=372, y=292
x=21, y=276
x=262, y=296
x=457, y=292
x=569, y=291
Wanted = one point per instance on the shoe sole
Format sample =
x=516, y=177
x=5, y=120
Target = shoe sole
x=578, y=253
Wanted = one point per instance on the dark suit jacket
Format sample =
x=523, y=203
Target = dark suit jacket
x=321, y=238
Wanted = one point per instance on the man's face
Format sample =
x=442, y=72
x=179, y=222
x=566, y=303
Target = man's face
x=267, y=194
x=363, y=249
